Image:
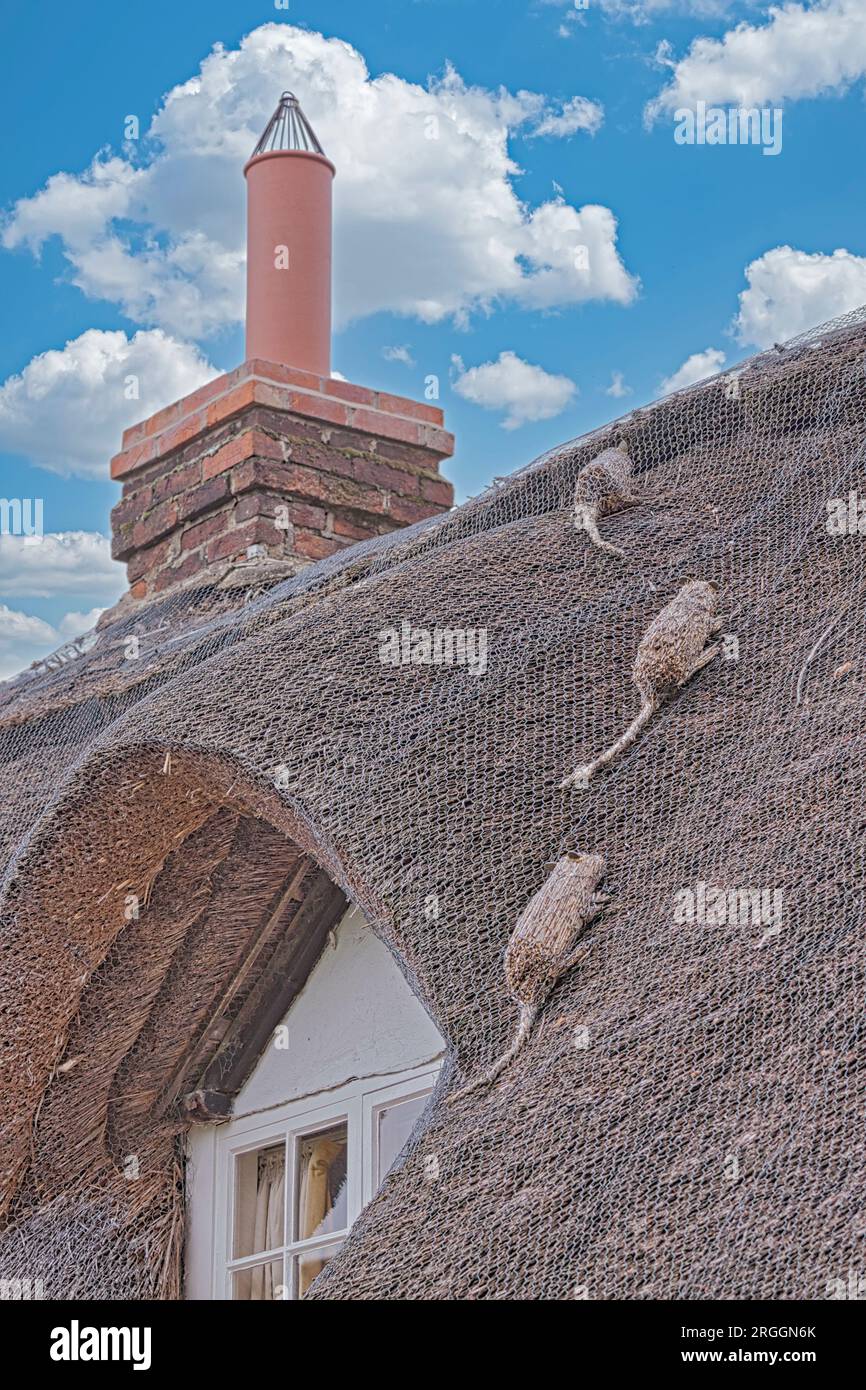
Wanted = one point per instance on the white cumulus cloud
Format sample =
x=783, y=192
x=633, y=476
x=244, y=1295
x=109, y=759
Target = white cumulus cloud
x=67, y=409
x=22, y=639
x=579, y=113
x=25, y=638
x=801, y=50
x=618, y=386
x=399, y=353
x=790, y=291
x=695, y=368
x=75, y=624
x=64, y=562
x=71, y=563
x=427, y=219
x=525, y=392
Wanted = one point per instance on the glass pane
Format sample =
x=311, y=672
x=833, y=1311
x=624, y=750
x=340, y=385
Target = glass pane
x=395, y=1126
x=322, y=1182
x=260, y=1178
x=260, y=1282
x=309, y=1265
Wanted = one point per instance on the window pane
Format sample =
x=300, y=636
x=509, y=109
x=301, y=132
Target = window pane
x=259, y=1282
x=309, y=1265
x=260, y=1178
x=395, y=1126
x=321, y=1202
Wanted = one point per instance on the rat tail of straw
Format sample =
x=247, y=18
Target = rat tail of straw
x=528, y=1015
x=581, y=774
x=585, y=521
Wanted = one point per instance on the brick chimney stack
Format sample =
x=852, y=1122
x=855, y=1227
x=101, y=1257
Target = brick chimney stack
x=277, y=459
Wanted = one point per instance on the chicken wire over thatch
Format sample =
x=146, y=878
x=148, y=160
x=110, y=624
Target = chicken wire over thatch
x=686, y=1120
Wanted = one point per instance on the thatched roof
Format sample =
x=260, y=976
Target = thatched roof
x=675, y=1056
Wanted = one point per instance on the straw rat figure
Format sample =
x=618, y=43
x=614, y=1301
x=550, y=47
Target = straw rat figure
x=542, y=946
x=603, y=486
x=671, y=650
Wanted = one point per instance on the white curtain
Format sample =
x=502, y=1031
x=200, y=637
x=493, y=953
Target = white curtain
x=268, y=1232
x=316, y=1200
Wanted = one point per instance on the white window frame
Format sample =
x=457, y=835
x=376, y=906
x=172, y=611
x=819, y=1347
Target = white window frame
x=359, y=1103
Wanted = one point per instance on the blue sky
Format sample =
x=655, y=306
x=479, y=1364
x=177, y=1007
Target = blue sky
x=556, y=127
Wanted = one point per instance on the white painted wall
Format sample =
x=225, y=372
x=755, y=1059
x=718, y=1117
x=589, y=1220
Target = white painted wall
x=355, y=1017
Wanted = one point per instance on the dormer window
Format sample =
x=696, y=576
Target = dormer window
x=273, y=1193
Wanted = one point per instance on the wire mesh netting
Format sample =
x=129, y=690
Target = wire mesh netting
x=685, y=1120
